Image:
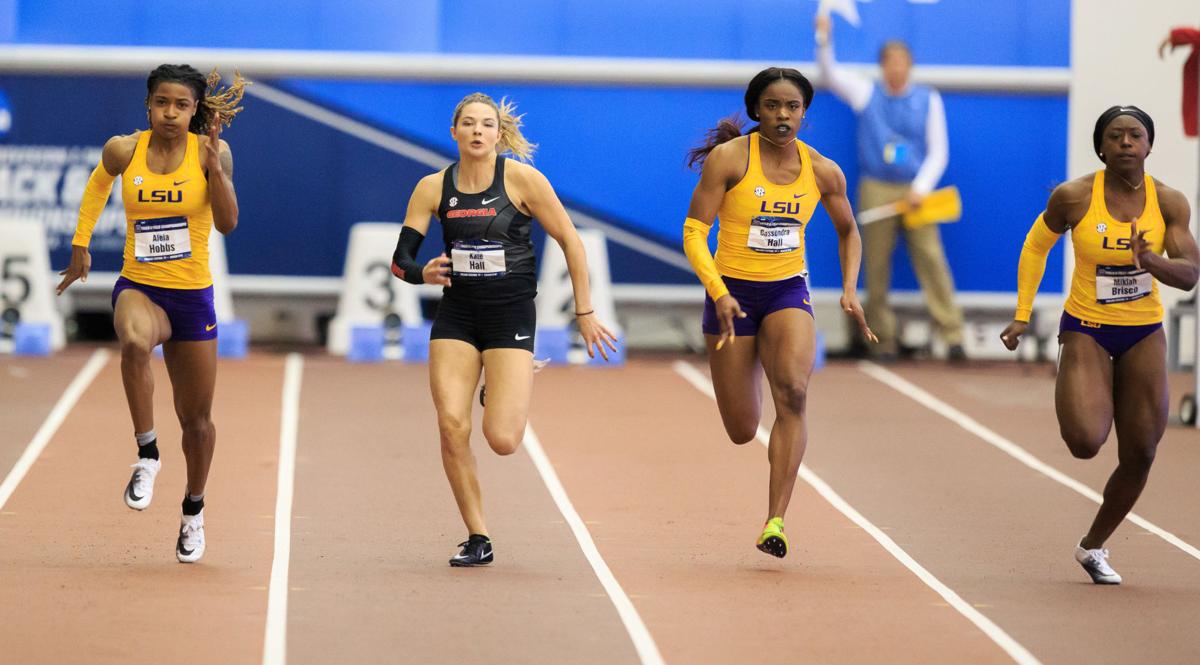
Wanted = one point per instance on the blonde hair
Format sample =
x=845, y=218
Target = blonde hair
x=512, y=140
x=224, y=101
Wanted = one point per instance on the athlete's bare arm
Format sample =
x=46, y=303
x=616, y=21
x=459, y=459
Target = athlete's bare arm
x=533, y=190
x=118, y=152
x=1180, y=268
x=723, y=168
x=831, y=182
x=1068, y=203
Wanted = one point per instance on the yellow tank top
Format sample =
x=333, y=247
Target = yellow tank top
x=1105, y=287
x=168, y=219
x=761, y=232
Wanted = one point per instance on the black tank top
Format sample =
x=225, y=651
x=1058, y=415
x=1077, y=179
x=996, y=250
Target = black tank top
x=488, y=241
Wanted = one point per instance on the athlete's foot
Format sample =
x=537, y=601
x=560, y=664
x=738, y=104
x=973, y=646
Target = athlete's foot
x=482, y=395
x=190, y=546
x=1095, y=562
x=140, y=488
x=773, y=541
x=476, y=551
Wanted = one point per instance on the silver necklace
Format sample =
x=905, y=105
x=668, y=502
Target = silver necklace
x=777, y=145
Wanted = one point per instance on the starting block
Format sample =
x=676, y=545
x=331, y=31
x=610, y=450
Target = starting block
x=32, y=339
x=233, y=339
x=415, y=342
x=366, y=344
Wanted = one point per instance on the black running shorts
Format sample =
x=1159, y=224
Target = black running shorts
x=486, y=325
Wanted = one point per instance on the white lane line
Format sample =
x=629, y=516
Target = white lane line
x=909, y=389
x=275, y=640
x=647, y=650
x=53, y=421
x=1018, y=653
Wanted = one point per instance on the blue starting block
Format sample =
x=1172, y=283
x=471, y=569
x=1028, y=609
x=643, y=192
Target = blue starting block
x=31, y=339
x=233, y=339
x=819, y=356
x=366, y=344
x=415, y=340
x=554, y=344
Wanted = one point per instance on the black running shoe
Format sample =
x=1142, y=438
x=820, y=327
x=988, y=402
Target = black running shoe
x=476, y=551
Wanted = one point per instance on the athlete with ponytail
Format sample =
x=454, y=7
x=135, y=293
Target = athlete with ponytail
x=176, y=184
x=764, y=187
x=1112, y=366
x=486, y=319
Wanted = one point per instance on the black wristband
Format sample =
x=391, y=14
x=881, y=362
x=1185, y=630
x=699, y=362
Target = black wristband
x=404, y=262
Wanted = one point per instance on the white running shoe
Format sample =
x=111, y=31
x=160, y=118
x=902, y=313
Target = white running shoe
x=190, y=546
x=1095, y=562
x=140, y=489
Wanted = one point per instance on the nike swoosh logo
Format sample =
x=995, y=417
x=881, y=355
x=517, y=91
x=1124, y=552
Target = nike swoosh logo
x=520, y=337
x=182, y=550
x=806, y=302
x=180, y=182
x=796, y=196
x=487, y=201
x=209, y=328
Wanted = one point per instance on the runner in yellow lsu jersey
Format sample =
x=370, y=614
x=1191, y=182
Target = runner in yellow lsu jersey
x=1112, y=367
x=764, y=187
x=176, y=184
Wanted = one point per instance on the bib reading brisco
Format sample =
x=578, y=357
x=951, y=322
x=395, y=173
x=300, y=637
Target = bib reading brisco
x=1122, y=284
x=477, y=258
x=164, y=239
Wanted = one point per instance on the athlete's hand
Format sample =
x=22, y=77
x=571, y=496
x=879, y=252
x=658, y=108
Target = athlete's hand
x=212, y=151
x=81, y=263
x=596, y=334
x=727, y=309
x=1012, y=334
x=437, y=271
x=1137, y=244
x=851, y=306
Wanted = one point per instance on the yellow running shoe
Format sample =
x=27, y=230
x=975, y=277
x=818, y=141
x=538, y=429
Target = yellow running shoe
x=773, y=541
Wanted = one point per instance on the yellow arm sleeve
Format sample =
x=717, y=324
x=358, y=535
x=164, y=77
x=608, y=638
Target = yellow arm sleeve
x=95, y=197
x=1032, y=266
x=695, y=246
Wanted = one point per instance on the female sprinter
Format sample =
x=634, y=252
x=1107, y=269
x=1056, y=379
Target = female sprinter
x=486, y=319
x=176, y=184
x=764, y=187
x=1112, y=363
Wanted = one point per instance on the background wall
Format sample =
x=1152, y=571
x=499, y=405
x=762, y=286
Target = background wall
x=614, y=151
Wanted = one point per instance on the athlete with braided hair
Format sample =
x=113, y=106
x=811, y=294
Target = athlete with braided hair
x=176, y=184
x=1112, y=363
x=486, y=205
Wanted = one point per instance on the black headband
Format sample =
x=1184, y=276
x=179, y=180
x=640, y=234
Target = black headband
x=1112, y=114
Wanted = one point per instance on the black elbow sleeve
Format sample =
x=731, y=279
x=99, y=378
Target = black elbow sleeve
x=404, y=261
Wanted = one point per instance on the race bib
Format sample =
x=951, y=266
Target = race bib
x=774, y=235
x=477, y=258
x=1122, y=284
x=164, y=239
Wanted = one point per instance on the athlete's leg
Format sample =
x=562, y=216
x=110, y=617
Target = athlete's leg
x=454, y=367
x=1140, y=398
x=737, y=385
x=141, y=325
x=1083, y=394
x=510, y=387
x=787, y=347
x=192, y=367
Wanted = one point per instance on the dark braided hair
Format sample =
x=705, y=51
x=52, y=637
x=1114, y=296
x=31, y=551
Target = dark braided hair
x=209, y=100
x=730, y=128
